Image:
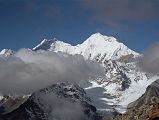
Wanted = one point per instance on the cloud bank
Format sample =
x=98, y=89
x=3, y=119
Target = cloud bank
x=150, y=60
x=28, y=71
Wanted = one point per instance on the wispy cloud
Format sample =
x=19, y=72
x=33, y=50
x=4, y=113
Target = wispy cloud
x=116, y=12
x=150, y=60
x=61, y=109
x=48, y=9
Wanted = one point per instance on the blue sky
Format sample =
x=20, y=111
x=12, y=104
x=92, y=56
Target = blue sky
x=24, y=23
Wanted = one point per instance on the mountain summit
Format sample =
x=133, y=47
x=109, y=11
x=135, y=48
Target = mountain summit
x=96, y=45
x=123, y=82
x=123, y=78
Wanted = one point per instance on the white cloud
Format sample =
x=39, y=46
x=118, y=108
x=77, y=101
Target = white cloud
x=28, y=71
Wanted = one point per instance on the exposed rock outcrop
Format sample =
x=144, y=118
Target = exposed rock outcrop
x=144, y=108
x=63, y=101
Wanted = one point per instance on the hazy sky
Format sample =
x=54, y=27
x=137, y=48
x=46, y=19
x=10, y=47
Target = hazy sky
x=24, y=23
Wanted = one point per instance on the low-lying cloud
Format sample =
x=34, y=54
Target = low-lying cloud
x=150, y=60
x=27, y=71
x=61, y=109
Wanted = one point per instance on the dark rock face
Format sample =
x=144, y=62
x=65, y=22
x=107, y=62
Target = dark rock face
x=151, y=91
x=62, y=101
x=146, y=107
x=45, y=45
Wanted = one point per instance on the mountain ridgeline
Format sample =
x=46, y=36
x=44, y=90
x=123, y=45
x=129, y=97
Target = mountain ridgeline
x=123, y=83
x=119, y=62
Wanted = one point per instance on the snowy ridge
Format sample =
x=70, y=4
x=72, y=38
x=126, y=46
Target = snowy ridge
x=123, y=78
x=96, y=44
x=124, y=82
x=6, y=52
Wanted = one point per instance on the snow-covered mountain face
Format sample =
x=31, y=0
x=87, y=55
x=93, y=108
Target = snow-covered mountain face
x=96, y=46
x=124, y=81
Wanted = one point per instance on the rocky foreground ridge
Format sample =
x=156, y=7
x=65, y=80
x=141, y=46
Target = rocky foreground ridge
x=144, y=108
x=49, y=103
x=62, y=101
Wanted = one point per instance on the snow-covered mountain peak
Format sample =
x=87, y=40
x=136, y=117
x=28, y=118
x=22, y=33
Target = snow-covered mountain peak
x=123, y=81
x=101, y=45
x=98, y=37
x=6, y=52
x=97, y=45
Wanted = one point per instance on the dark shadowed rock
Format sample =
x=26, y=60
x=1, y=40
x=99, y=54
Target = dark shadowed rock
x=52, y=103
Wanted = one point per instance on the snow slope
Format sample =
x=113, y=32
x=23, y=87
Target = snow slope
x=123, y=77
x=96, y=44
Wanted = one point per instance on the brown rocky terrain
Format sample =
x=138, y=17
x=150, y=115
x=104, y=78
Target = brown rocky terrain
x=144, y=108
